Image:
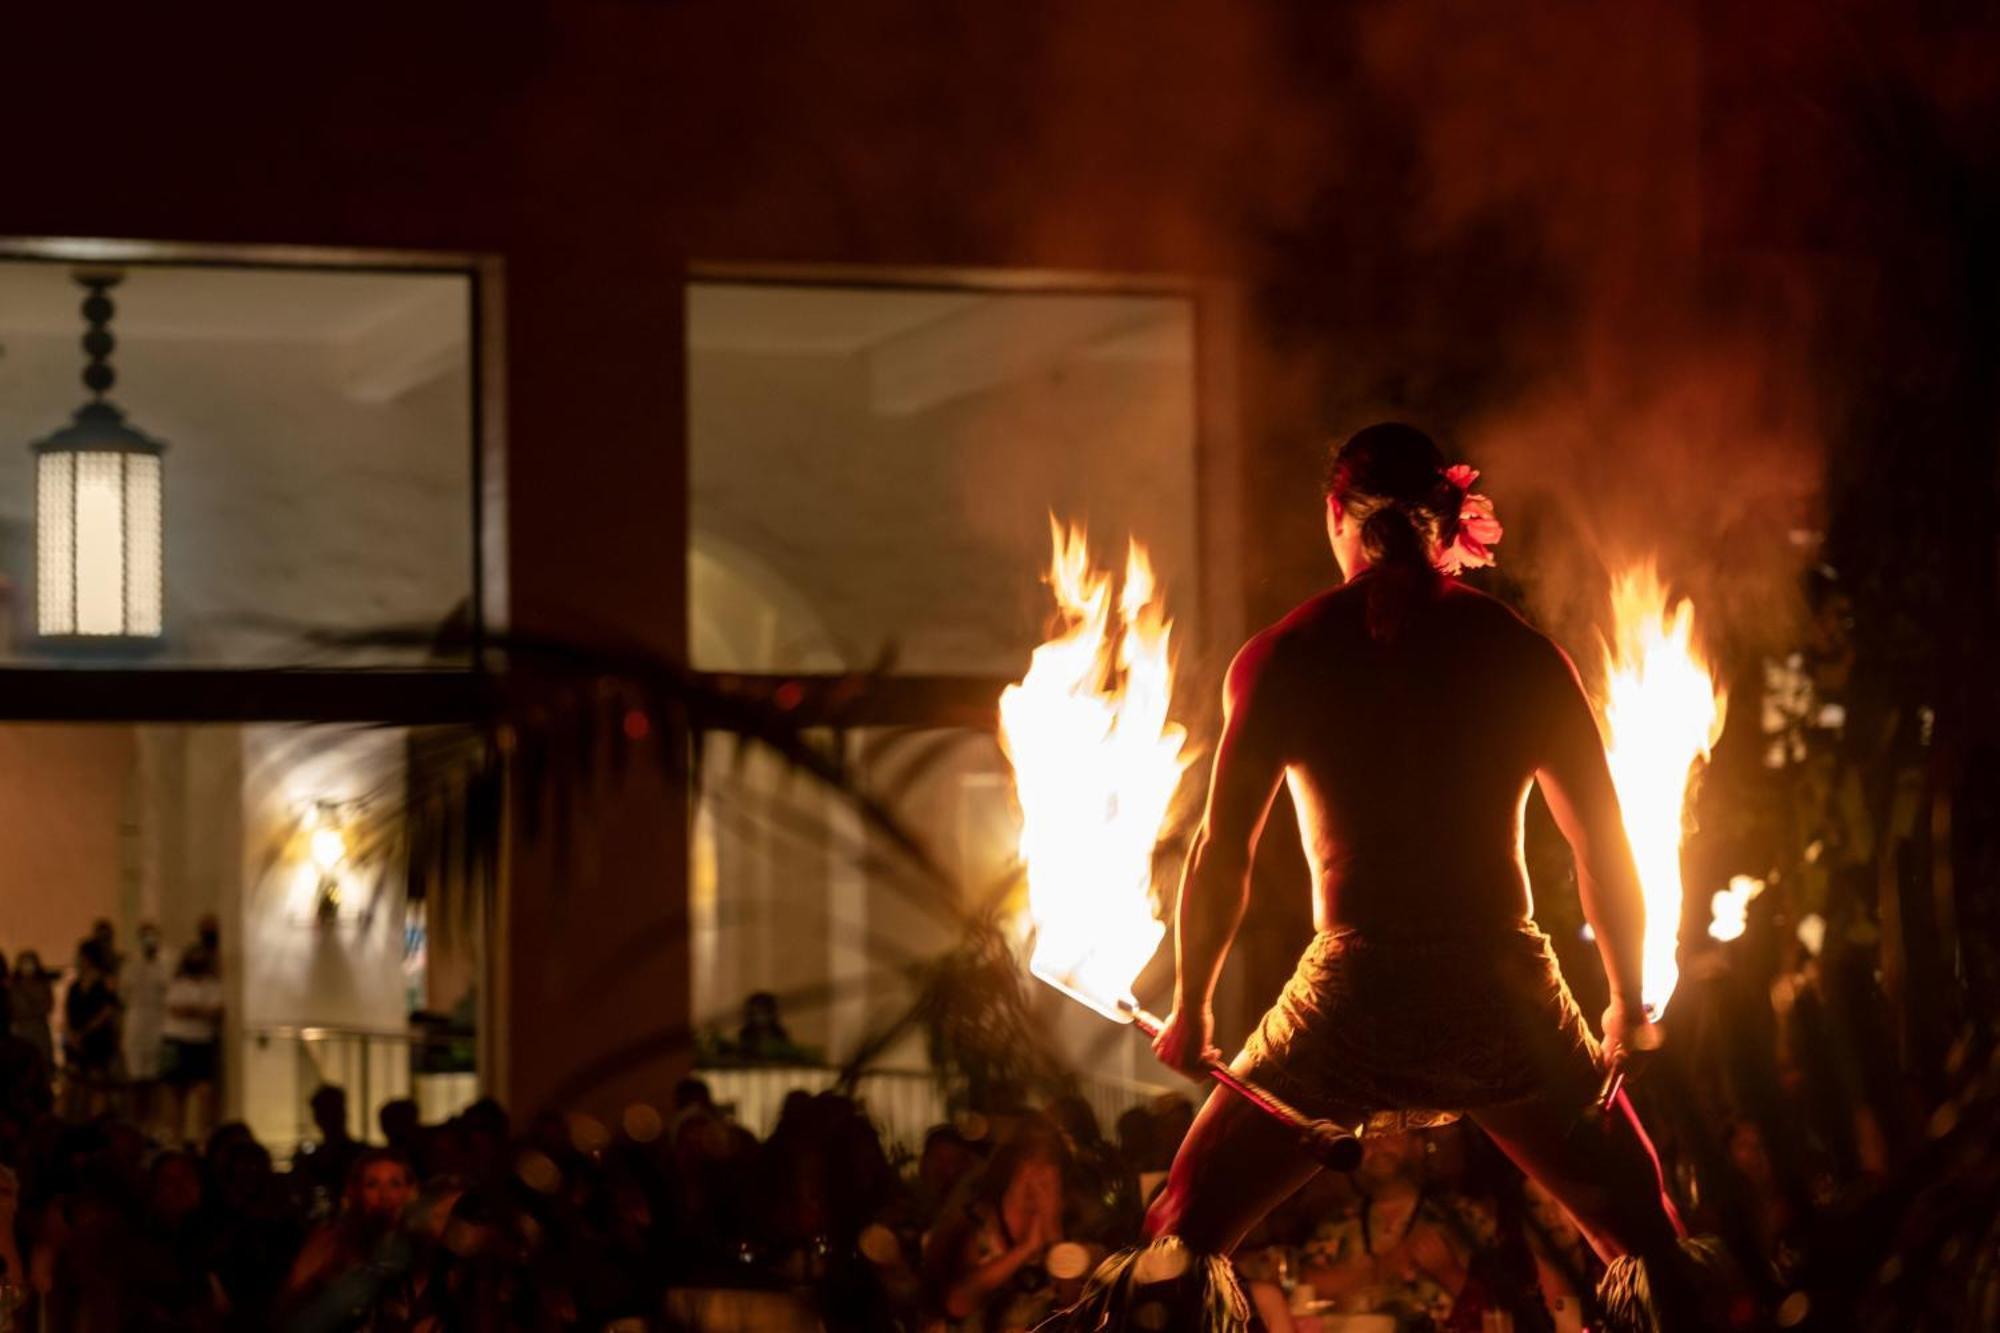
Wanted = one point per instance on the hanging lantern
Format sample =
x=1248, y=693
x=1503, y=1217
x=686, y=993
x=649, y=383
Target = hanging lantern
x=98, y=525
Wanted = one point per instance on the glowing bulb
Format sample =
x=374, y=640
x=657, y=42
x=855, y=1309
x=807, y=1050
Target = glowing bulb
x=328, y=847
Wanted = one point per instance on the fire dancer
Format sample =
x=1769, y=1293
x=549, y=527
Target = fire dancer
x=1409, y=715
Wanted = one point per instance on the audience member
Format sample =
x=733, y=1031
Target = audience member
x=91, y=1010
x=321, y=1171
x=402, y=1129
x=762, y=1035
x=379, y=1188
x=30, y=1001
x=983, y=1259
x=103, y=943
x=191, y=1032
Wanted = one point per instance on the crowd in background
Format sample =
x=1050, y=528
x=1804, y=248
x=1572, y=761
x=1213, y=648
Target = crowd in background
x=567, y=1223
x=679, y=1217
x=139, y=1034
x=1773, y=1130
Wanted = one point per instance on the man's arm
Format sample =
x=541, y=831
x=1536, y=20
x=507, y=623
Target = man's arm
x=1576, y=781
x=1215, y=885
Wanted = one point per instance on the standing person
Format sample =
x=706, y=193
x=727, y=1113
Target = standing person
x=145, y=990
x=1410, y=715
x=103, y=940
x=30, y=1000
x=191, y=1034
x=208, y=934
x=91, y=1011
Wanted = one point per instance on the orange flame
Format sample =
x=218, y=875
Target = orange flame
x=1096, y=762
x=1662, y=711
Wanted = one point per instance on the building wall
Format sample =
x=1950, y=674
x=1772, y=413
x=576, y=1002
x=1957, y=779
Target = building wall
x=64, y=859
x=598, y=154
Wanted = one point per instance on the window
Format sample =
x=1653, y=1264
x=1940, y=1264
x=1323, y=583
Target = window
x=319, y=470
x=874, y=467
x=873, y=471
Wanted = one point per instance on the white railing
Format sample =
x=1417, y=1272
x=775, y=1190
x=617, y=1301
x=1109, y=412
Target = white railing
x=285, y=1064
x=903, y=1103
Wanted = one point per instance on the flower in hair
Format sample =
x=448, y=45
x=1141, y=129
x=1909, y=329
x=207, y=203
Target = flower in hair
x=1478, y=530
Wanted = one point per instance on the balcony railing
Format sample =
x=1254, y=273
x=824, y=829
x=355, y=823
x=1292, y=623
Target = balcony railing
x=903, y=1103
x=285, y=1064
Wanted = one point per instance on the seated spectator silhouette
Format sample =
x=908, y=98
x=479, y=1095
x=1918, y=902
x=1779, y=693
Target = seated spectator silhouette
x=322, y=1169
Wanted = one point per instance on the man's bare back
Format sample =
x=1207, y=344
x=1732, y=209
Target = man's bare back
x=1409, y=760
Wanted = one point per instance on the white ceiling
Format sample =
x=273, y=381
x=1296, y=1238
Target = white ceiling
x=920, y=348
x=268, y=305
x=828, y=321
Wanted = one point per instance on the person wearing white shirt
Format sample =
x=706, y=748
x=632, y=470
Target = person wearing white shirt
x=192, y=1028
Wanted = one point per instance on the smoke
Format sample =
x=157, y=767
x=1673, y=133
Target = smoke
x=1497, y=224
x=1520, y=224
x=1660, y=407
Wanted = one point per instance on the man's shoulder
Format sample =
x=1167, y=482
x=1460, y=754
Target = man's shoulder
x=1281, y=636
x=1512, y=636
x=1267, y=653
x=1491, y=613
x=1313, y=616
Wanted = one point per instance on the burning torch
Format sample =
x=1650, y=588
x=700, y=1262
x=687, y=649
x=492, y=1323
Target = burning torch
x=1333, y=1146
x=1663, y=712
x=1096, y=762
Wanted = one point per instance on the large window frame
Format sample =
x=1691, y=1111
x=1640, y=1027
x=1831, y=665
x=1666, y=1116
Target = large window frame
x=848, y=705
x=150, y=693
x=843, y=701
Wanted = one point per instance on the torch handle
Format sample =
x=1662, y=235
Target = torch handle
x=1332, y=1146
x=1607, y=1092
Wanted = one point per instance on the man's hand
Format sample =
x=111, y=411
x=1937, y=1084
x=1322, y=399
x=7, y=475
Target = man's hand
x=1186, y=1041
x=1629, y=1037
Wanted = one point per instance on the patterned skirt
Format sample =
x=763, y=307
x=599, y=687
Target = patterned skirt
x=1400, y=1034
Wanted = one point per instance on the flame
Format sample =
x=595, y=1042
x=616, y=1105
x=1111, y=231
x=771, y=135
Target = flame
x=1662, y=711
x=1096, y=762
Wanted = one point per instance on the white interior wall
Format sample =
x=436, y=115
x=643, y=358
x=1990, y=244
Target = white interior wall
x=302, y=971
x=919, y=521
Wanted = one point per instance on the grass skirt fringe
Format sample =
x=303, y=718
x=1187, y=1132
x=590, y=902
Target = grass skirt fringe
x=1163, y=1288
x=1701, y=1290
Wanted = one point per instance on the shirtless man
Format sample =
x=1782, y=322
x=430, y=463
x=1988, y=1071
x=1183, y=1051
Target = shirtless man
x=1409, y=715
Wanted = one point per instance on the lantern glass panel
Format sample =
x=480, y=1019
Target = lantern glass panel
x=55, y=489
x=143, y=592
x=100, y=544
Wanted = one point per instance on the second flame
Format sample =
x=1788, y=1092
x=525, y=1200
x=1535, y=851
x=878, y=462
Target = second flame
x=1662, y=711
